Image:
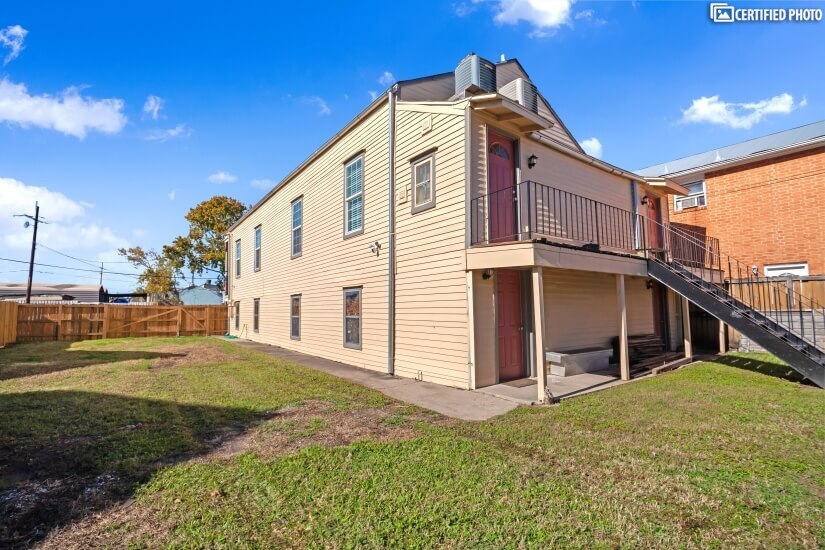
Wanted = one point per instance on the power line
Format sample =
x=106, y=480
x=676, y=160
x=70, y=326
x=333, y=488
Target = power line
x=106, y=272
x=68, y=256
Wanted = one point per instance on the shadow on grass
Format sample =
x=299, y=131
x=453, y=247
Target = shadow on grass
x=31, y=359
x=64, y=454
x=761, y=363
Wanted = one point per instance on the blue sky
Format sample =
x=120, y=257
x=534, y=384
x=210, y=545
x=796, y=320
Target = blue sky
x=246, y=91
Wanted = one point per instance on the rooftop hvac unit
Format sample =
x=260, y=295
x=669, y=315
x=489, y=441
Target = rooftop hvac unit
x=523, y=92
x=475, y=74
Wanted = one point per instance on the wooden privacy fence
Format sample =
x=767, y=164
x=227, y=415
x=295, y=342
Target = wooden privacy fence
x=8, y=323
x=38, y=322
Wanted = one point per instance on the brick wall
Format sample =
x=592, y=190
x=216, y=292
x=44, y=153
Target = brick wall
x=768, y=212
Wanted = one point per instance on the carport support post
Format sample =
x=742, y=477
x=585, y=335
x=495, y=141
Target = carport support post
x=686, y=328
x=723, y=329
x=624, y=356
x=538, y=329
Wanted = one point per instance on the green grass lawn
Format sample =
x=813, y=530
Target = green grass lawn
x=208, y=444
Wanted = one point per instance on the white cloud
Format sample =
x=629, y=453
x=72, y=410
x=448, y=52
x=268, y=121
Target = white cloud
x=323, y=107
x=386, y=79
x=67, y=112
x=462, y=9
x=67, y=225
x=804, y=102
x=172, y=194
x=584, y=14
x=737, y=115
x=262, y=184
x=545, y=15
x=152, y=106
x=12, y=37
x=161, y=134
x=222, y=177
x=373, y=94
x=592, y=147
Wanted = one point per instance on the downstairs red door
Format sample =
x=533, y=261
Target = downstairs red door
x=508, y=313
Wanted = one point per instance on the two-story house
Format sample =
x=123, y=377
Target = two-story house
x=455, y=232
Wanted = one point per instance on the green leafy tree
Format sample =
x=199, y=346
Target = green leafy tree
x=202, y=248
x=158, y=276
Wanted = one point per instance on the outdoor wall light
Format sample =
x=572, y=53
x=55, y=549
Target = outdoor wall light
x=487, y=274
x=645, y=200
x=531, y=161
x=649, y=284
x=755, y=270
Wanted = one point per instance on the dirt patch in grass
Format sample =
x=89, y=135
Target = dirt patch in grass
x=180, y=356
x=115, y=519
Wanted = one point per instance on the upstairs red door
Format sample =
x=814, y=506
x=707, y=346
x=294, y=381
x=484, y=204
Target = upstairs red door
x=508, y=313
x=501, y=181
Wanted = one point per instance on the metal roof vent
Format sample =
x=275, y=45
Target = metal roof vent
x=475, y=74
x=523, y=92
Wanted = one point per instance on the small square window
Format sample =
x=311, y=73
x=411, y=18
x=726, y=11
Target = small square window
x=423, y=183
x=295, y=317
x=352, y=318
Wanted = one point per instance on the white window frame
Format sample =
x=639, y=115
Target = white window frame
x=237, y=315
x=349, y=199
x=416, y=206
x=678, y=202
x=360, y=316
x=237, y=258
x=258, y=242
x=795, y=269
x=293, y=334
x=297, y=230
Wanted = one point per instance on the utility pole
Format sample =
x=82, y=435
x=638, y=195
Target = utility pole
x=101, y=273
x=37, y=221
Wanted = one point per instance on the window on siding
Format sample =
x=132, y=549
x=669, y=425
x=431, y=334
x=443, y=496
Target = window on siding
x=258, y=248
x=352, y=318
x=237, y=315
x=238, y=258
x=695, y=197
x=423, y=183
x=354, y=196
x=256, y=314
x=297, y=226
x=295, y=317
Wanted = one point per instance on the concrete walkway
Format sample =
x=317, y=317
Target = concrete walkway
x=453, y=402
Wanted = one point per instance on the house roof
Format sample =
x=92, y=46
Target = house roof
x=81, y=293
x=743, y=152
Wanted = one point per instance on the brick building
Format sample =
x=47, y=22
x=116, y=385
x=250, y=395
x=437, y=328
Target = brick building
x=763, y=198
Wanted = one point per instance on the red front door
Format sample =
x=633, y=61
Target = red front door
x=654, y=216
x=508, y=313
x=501, y=181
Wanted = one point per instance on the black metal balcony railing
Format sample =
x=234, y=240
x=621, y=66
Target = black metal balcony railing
x=534, y=211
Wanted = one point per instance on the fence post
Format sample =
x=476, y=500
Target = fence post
x=106, y=309
x=59, y=321
x=208, y=321
x=180, y=318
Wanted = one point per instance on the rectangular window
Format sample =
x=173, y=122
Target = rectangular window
x=423, y=183
x=237, y=315
x=297, y=226
x=238, y=258
x=258, y=248
x=694, y=198
x=352, y=318
x=295, y=317
x=256, y=313
x=354, y=196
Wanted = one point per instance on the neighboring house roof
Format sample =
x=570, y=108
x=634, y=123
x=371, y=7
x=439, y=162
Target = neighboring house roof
x=200, y=296
x=744, y=152
x=90, y=294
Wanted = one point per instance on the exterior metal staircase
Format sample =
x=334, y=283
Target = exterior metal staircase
x=769, y=312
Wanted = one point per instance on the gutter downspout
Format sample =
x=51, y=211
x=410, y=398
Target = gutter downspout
x=391, y=237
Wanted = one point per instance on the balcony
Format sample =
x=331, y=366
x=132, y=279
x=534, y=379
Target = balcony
x=537, y=213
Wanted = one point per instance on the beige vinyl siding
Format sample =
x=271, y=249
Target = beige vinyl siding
x=431, y=297
x=328, y=263
x=431, y=302
x=581, y=308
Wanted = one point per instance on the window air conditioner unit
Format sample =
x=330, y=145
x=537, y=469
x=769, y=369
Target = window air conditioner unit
x=475, y=74
x=687, y=202
x=522, y=92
